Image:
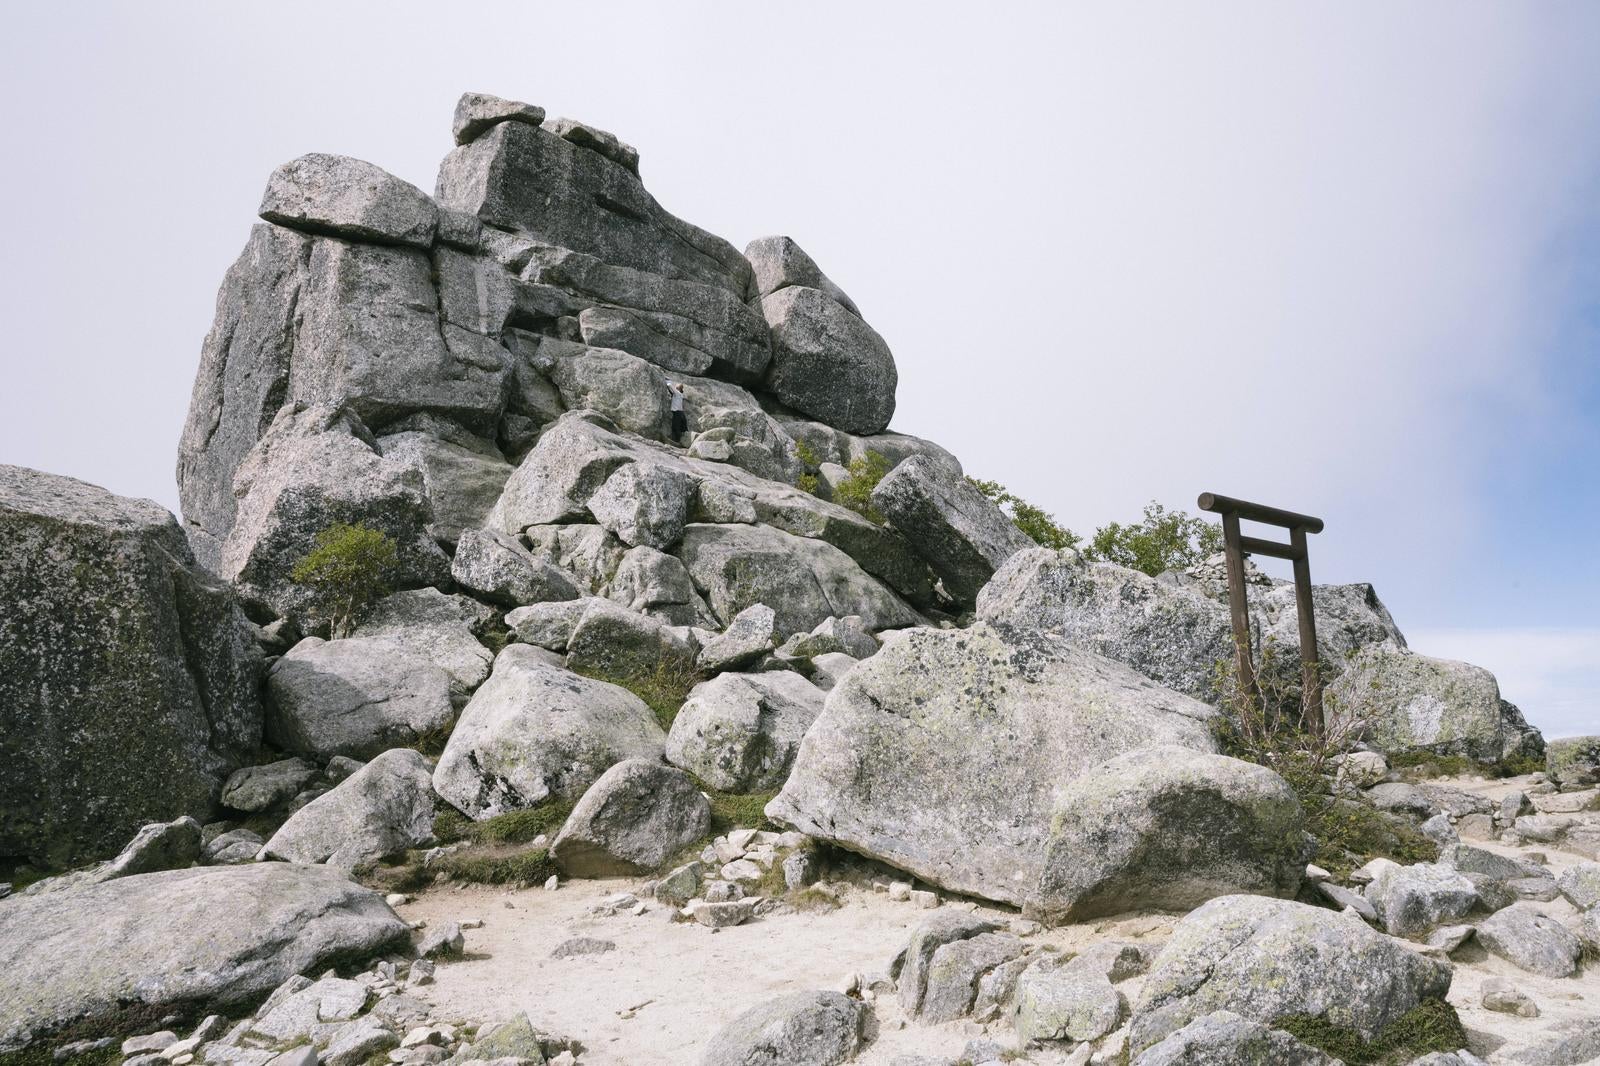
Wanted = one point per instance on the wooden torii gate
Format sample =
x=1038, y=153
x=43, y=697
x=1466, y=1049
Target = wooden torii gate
x=1235, y=548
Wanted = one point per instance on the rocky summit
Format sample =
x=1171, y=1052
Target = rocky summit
x=552, y=596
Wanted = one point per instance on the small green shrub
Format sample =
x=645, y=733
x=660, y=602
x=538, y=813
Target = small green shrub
x=813, y=900
x=513, y=827
x=1431, y=1025
x=855, y=491
x=808, y=457
x=1163, y=540
x=736, y=810
x=807, y=483
x=663, y=688
x=349, y=567
x=1037, y=523
x=528, y=866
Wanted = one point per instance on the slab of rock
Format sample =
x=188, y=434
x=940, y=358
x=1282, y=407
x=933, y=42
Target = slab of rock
x=1525, y=936
x=955, y=971
x=651, y=582
x=780, y=263
x=848, y=636
x=827, y=363
x=438, y=627
x=1576, y=1040
x=233, y=847
x=498, y=568
x=462, y=476
x=962, y=534
x=613, y=642
x=629, y=391
x=912, y=968
x=981, y=730
x=535, y=730
x=385, y=808
x=128, y=677
x=801, y=1028
x=1411, y=900
x=548, y=625
x=747, y=638
x=1277, y=958
x=1172, y=634
x=604, y=142
x=222, y=935
x=1225, y=1037
x=740, y=732
x=358, y=697
x=477, y=112
x=1580, y=883
x=639, y=814
x=1168, y=828
x=263, y=788
x=624, y=330
x=644, y=504
x=158, y=846
x=345, y=197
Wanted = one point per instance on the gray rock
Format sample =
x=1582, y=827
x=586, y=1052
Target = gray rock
x=747, y=638
x=534, y=731
x=828, y=669
x=961, y=532
x=981, y=730
x=912, y=968
x=500, y=569
x=514, y=1040
x=720, y=914
x=1066, y=1001
x=652, y=582
x=681, y=885
x=804, y=581
x=548, y=625
x=1500, y=996
x=1524, y=935
x=799, y=870
x=384, y=809
x=644, y=504
x=519, y=177
x=438, y=627
x=1342, y=897
x=442, y=942
x=624, y=388
x=613, y=642
x=1277, y=958
x=1580, y=883
x=1411, y=900
x=1573, y=761
x=827, y=363
x=798, y=1029
x=780, y=263
x=832, y=636
x=297, y=1008
x=1440, y=830
x=579, y=946
x=1568, y=1043
x=263, y=788
x=955, y=970
x=233, y=847
x=632, y=820
x=109, y=624
x=740, y=732
x=345, y=197
x=1144, y=831
x=358, y=1042
x=1223, y=1038
x=1456, y=802
x=1399, y=797
x=158, y=846
x=356, y=697
x=597, y=140
x=462, y=477
x=477, y=112
x=1174, y=635
x=160, y=941
x=311, y=470
x=623, y=330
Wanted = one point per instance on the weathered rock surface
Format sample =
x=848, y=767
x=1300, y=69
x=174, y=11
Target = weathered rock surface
x=498, y=568
x=613, y=642
x=127, y=675
x=213, y=935
x=1269, y=959
x=534, y=730
x=477, y=112
x=262, y=788
x=439, y=628
x=1573, y=761
x=827, y=363
x=1223, y=1038
x=1066, y=1001
x=548, y=625
x=982, y=731
x=747, y=638
x=780, y=263
x=344, y=197
x=657, y=584
x=358, y=697
x=740, y=732
x=1412, y=900
x=1524, y=935
x=961, y=532
x=1168, y=827
x=632, y=820
x=799, y=1029
x=382, y=809
x=462, y=475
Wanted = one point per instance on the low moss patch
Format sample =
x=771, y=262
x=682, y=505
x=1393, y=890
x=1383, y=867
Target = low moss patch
x=498, y=866
x=663, y=688
x=1424, y=765
x=812, y=900
x=736, y=810
x=513, y=827
x=1431, y=1025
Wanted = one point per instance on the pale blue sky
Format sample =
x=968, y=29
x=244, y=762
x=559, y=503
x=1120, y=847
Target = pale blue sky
x=1340, y=257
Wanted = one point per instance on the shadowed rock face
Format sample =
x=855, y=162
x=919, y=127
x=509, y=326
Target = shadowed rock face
x=127, y=677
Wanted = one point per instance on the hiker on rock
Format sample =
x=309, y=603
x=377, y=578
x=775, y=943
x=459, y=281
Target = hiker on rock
x=680, y=422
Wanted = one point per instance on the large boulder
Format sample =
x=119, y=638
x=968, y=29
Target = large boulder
x=613, y=642
x=314, y=468
x=657, y=584
x=959, y=530
x=639, y=814
x=535, y=731
x=1413, y=900
x=827, y=363
x=130, y=949
x=740, y=732
x=780, y=263
x=500, y=569
x=798, y=1029
x=943, y=753
x=345, y=197
x=624, y=388
x=1175, y=635
x=1526, y=936
x=477, y=112
x=357, y=697
x=1269, y=959
x=438, y=627
x=382, y=809
x=644, y=504
x=1409, y=703
x=1169, y=827
x=462, y=475
x=127, y=673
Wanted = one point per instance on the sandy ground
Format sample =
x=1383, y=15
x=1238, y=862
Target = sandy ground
x=669, y=986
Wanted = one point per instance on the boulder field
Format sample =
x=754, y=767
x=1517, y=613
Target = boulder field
x=617, y=643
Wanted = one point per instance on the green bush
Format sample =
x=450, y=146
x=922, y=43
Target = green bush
x=349, y=567
x=1036, y=522
x=1163, y=540
x=855, y=490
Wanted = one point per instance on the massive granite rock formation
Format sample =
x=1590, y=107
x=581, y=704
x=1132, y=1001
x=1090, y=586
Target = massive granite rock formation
x=127, y=677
